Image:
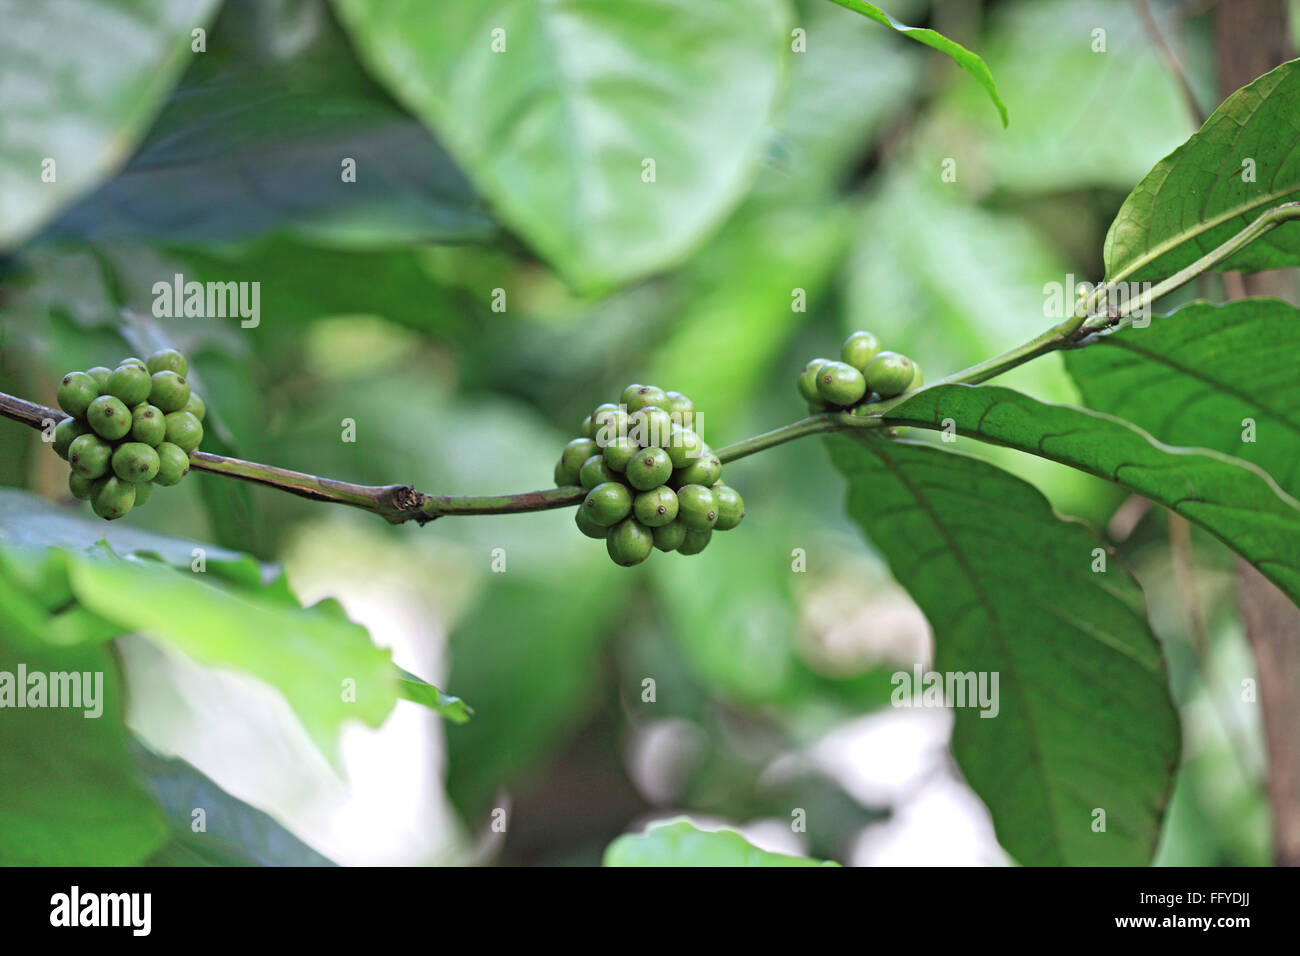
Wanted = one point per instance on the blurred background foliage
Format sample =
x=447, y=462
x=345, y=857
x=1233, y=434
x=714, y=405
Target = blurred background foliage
x=377, y=306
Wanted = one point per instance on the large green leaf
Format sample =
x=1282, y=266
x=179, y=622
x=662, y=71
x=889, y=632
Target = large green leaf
x=325, y=665
x=1232, y=499
x=1085, y=720
x=682, y=843
x=82, y=78
x=69, y=792
x=1199, y=195
x=328, y=670
x=963, y=57
x=1193, y=378
x=253, y=138
x=554, y=129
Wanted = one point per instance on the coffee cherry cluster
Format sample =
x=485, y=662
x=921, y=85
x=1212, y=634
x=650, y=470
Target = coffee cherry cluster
x=128, y=429
x=865, y=373
x=651, y=480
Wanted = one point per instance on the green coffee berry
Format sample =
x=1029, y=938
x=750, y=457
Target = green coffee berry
x=650, y=427
x=637, y=397
x=576, y=453
x=563, y=476
x=148, y=424
x=609, y=422
x=142, y=493
x=694, y=542
x=917, y=378
x=731, y=507
x=594, y=472
x=840, y=384
x=183, y=429
x=81, y=486
x=669, y=537
x=196, y=406
x=684, y=446
x=130, y=384
x=113, y=499
x=89, y=455
x=173, y=464
x=109, y=417
x=132, y=360
x=629, y=542
x=681, y=408
x=655, y=507
x=168, y=360
x=135, y=461
x=100, y=375
x=649, y=468
x=859, y=349
x=588, y=430
x=587, y=526
x=702, y=471
x=169, y=391
x=619, y=452
x=76, y=391
x=889, y=373
x=608, y=503
x=807, y=382
x=64, y=434
x=697, y=507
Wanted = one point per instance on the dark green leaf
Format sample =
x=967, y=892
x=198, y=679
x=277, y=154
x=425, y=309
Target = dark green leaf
x=554, y=128
x=82, y=80
x=254, y=136
x=681, y=843
x=1232, y=499
x=1194, y=377
x=963, y=57
x=1243, y=161
x=1084, y=720
x=70, y=794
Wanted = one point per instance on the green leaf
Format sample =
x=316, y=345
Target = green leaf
x=1084, y=719
x=85, y=107
x=1235, y=501
x=1199, y=195
x=327, y=668
x=963, y=57
x=253, y=137
x=233, y=834
x=70, y=794
x=412, y=688
x=1193, y=378
x=554, y=130
x=30, y=523
x=681, y=843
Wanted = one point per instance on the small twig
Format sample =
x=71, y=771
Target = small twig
x=395, y=503
x=1170, y=60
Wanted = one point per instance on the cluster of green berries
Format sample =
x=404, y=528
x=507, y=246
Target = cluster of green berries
x=865, y=373
x=128, y=429
x=651, y=480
